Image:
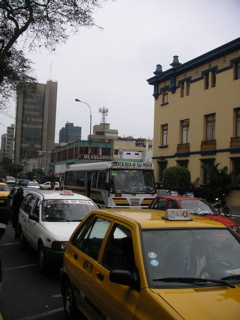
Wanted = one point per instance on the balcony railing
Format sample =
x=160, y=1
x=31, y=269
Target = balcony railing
x=184, y=147
x=208, y=144
x=235, y=142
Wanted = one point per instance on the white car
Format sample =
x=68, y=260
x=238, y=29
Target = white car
x=47, y=185
x=47, y=220
x=33, y=184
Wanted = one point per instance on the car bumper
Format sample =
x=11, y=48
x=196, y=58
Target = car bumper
x=54, y=258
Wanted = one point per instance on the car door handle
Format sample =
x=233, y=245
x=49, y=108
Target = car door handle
x=75, y=256
x=100, y=276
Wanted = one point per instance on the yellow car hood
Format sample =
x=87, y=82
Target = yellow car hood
x=4, y=193
x=208, y=303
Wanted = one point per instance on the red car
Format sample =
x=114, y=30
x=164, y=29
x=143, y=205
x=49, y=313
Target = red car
x=195, y=206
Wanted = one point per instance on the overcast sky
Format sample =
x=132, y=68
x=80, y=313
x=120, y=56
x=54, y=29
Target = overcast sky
x=109, y=68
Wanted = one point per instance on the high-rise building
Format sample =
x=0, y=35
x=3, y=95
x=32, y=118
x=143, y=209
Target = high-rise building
x=9, y=142
x=35, y=121
x=70, y=133
x=3, y=145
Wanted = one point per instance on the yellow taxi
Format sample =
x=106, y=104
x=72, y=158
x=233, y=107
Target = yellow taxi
x=4, y=192
x=151, y=265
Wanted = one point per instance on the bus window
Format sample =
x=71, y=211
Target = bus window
x=72, y=178
x=80, y=178
x=94, y=179
x=102, y=179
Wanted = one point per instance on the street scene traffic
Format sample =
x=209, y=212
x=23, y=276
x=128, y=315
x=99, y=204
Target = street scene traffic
x=119, y=160
x=26, y=293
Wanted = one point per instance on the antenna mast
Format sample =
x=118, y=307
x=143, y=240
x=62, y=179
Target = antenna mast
x=104, y=112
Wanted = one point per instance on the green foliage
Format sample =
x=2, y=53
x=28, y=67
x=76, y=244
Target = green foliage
x=35, y=24
x=14, y=169
x=219, y=181
x=237, y=181
x=177, y=178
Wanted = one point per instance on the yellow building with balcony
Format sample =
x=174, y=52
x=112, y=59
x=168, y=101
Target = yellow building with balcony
x=197, y=112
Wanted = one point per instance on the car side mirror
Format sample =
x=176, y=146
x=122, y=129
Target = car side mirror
x=33, y=216
x=123, y=277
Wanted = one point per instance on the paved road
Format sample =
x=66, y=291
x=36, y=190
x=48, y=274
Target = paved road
x=26, y=294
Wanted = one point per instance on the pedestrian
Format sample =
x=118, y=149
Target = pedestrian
x=16, y=203
x=3, y=225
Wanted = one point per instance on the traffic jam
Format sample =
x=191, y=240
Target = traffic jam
x=168, y=261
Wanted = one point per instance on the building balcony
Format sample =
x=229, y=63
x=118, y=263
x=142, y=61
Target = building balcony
x=208, y=145
x=235, y=142
x=183, y=147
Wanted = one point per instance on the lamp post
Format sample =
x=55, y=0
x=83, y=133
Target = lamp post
x=77, y=100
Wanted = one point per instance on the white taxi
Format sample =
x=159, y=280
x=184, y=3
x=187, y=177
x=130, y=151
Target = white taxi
x=47, y=220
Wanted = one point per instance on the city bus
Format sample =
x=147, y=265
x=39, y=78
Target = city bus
x=113, y=184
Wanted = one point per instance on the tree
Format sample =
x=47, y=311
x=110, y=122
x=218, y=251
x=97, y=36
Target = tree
x=14, y=169
x=177, y=178
x=219, y=181
x=44, y=23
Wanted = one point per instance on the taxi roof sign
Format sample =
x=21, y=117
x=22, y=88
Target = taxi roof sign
x=66, y=192
x=177, y=214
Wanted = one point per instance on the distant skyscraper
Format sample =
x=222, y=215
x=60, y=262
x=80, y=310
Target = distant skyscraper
x=9, y=142
x=70, y=133
x=35, y=121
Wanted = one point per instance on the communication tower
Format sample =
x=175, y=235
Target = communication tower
x=104, y=112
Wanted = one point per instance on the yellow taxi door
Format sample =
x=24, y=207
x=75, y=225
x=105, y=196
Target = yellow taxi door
x=115, y=301
x=83, y=255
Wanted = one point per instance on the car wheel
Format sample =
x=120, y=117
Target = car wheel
x=69, y=303
x=22, y=240
x=42, y=262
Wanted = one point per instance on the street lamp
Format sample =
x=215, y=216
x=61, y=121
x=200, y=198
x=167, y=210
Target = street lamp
x=77, y=100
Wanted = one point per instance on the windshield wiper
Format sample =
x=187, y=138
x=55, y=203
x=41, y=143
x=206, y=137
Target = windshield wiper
x=192, y=280
x=232, y=277
x=128, y=192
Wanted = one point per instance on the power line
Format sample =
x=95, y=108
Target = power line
x=6, y=114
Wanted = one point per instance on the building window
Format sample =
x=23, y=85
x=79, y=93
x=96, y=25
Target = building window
x=182, y=163
x=165, y=97
x=185, y=131
x=237, y=122
x=164, y=134
x=235, y=166
x=236, y=70
x=213, y=79
x=182, y=89
x=187, y=88
x=205, y=176
x=206, y=81
x=210, y=127
x=162, y=165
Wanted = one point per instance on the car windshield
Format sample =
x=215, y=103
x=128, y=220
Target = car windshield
x=177, y=257
x=196, y=206
x=66, y=210
x=4, y=188
x=132, y=181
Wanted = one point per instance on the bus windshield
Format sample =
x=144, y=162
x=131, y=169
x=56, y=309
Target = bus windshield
x=132, y=181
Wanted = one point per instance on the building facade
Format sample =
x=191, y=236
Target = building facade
x=10, y=142
x=197, y=112
x=35, y=121
x=70, y=133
